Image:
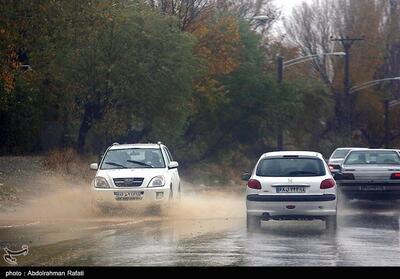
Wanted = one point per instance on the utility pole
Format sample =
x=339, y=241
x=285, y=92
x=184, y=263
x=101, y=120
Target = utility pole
x=279, y=76
x=347, y=43
x=386, y=105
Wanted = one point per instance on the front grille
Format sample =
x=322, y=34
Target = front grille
x=128, y=182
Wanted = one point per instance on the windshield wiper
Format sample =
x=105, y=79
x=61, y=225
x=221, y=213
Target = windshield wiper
x=302, y=172
x=140, y=163
x=115, y=164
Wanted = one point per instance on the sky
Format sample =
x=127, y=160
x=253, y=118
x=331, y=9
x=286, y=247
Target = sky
x=287, y=5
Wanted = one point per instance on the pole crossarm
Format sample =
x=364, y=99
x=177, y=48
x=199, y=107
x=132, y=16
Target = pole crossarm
x=309, y=57
x=394, y=103
x=370, y=83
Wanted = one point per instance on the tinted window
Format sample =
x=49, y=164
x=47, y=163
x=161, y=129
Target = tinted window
x=169, y=154
x=133, y=158
x=291, y=167
x=340, y=154
x=168, y=157
x=372, y=157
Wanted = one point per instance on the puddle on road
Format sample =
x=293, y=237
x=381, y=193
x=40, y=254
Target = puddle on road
x=69, y=201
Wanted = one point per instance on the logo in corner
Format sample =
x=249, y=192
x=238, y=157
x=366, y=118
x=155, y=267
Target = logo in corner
x=10, y=255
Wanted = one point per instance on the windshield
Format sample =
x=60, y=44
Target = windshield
x=372, y=158
x=291, y=167
x=340, y=154
x=133, y=158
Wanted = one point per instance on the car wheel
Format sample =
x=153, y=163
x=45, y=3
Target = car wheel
x=179, y=196
x=343, y=200
x=331, y=223
x=171, y=194
x=396, y=222
x=95, y=208
x=253, y=223
x=155, y=210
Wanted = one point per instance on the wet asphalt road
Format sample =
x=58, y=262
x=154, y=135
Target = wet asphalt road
x=367, y=235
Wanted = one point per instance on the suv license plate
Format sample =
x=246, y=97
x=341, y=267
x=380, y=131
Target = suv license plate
x=291, y=189
x=128, y=196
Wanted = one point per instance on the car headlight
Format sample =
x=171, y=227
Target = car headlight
x=101, y=182
x=157, y=181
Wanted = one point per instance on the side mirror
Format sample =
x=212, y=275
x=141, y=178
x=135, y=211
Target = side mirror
x=173, y=165
x=94, y=166
x=246, y=176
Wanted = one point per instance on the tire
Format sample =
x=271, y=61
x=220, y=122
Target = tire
x=154, y=210
x=343, y=200
x=171, y=194
x=395, y=222
x=96, y=209
x=331, y=223
x=253, y=223
x=179, y=196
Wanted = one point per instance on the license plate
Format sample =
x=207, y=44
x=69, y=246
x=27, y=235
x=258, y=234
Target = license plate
x=291, y=189
x=372, y=188
x=128, y=196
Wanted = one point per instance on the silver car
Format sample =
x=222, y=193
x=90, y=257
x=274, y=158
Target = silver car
x=370, y=174
x=337, y=157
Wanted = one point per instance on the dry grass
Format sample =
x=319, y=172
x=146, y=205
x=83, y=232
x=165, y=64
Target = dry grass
x=69, y=162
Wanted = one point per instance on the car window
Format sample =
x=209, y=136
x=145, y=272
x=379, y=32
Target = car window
x=291, y=167
x=133, y=158
x=169, y=154
x=372, y=157
x=340, y=154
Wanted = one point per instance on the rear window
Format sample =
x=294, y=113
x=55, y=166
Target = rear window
x=373, y=158
x=340, y=154
x=290, y=167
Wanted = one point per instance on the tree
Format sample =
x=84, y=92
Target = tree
x=311, y=29
x=130, y=69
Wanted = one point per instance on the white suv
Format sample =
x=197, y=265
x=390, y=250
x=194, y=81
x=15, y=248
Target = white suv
x=132, y=174
x=291, y=185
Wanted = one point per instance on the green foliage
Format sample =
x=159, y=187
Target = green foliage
x=311, y=113
x=107, y=71
x=252, y=108
x=20, y=119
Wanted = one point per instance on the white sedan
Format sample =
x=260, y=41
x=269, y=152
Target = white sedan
x=291, y=185
x=133, y=175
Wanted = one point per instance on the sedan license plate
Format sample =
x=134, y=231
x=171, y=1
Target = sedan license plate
x=372, y=188
x=290, y=189
x=128, y=196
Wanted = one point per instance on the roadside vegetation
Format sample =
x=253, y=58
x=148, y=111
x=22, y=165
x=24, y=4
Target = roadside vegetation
x=199, y=75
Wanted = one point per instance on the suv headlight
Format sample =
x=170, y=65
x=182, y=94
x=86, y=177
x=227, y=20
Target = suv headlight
x=101, y=182
x=157, y=181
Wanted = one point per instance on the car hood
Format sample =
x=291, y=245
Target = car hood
x=124, y=173
x=146, y=174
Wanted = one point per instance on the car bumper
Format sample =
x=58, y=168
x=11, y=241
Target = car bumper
x=116, y=197
x=275, y=206
x=374, y=190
